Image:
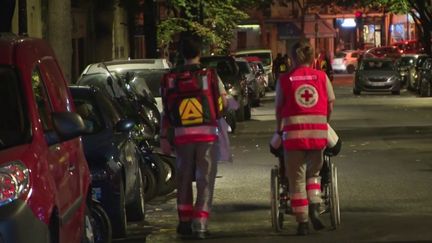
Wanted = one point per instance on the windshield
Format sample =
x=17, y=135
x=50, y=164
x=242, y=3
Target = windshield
x=264, y=56
x=407, y=61
x=14, y=124
x=377, y=65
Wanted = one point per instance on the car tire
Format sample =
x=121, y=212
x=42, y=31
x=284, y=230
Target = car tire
x=102, y=229
x=118, y=214
x=350, y=69
x=356, y=91
x=149, y=181
x=135, y=211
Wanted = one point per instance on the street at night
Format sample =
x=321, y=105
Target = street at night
x=384, y=174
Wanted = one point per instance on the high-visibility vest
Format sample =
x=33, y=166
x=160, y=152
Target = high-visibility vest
x=304, y=111
x=192, y=103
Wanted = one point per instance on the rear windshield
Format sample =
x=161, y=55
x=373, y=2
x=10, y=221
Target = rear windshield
x=223, y=66
x=14, y=122
x=377, y=65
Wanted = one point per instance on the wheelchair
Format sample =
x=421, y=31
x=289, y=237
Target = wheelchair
x=280, y=201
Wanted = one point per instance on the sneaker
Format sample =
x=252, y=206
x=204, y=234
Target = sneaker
x=184, y=229
x=303, y=228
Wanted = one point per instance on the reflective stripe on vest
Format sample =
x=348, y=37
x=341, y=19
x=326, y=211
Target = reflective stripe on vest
x=195, y=134
x=305, y=132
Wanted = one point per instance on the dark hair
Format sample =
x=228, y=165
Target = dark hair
x=302, y=52
x=190, y=48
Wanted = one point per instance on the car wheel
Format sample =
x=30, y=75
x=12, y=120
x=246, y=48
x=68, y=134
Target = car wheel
x=149, y=181
x=118, y=213
x=101, y=224
x=356, y=91
x=350, y=69
x=135, y=211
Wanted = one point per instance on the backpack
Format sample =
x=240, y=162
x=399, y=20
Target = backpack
x=191, y=97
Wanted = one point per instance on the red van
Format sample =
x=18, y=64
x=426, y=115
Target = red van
x=44, y=178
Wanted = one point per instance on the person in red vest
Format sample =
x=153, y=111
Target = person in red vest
x=304, y=102
x=322, y=62
x=193, y=101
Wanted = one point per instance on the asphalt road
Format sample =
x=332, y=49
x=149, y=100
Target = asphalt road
x=385, y=172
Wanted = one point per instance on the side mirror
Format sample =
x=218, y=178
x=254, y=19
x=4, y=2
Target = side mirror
x=67, y=125
x=125, y=125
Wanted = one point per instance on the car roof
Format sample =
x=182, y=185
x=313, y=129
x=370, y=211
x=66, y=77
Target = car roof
x=150, y=63
x=253, y=51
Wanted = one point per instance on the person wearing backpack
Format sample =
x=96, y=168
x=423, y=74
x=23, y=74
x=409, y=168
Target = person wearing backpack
x=192, y=104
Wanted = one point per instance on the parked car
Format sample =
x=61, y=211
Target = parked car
x=383, y=52
x=346, y=61
x=135, y=106
x=145, y=132
x=418, y=73
x=251, y=80
x=406, y=66
x=425, y=78
x=409, y=47
x=235, y=83
x=114, y=158
x=45, y=180
x=150, y=72
x=266, y=57
x=377, y=74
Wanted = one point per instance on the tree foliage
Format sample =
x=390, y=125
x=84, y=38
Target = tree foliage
x=212, y=20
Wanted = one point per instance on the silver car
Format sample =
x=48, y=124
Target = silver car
x=376, y=74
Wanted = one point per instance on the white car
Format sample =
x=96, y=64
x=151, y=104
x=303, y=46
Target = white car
x=346, y=61
x=149, y=70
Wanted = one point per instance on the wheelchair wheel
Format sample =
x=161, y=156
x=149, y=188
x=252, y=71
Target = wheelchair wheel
x=334, y=198
x=276, y=214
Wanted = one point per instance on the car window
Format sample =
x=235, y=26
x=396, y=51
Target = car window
x=42, y=101
x=90, y=114
x=406, y=61
x=340, y=55
x=14, y=124
x=377, y=65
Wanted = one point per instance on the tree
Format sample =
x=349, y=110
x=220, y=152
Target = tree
x=211, y=20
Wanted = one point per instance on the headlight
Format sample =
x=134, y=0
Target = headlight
x=14, y=181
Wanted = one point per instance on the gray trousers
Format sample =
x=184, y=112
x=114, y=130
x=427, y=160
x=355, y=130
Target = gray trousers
x=302, y=167
x=195, y=160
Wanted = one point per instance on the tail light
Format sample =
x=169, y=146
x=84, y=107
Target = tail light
x=14, y=181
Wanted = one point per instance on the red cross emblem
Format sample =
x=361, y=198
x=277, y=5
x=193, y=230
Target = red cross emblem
x=306, y=95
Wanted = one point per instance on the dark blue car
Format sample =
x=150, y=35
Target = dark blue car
x=113, y=156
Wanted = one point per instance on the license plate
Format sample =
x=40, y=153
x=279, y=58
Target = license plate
x=96, y=193
x=377, y=84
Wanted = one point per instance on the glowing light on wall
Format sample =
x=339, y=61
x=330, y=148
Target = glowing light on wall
x=348, y=23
